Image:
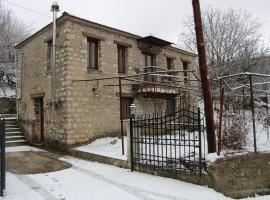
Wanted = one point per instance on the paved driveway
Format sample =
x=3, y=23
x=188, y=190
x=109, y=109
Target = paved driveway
x=83, y=180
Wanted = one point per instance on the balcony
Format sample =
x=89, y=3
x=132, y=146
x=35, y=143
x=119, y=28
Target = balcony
x=154, y=81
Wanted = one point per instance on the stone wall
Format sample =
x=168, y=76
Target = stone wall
x=241, y=176
x=35, y=80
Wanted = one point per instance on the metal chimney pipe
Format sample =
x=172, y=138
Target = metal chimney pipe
x=54, y=9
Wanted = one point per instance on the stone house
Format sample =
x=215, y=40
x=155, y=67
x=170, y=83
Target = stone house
x=83, y=109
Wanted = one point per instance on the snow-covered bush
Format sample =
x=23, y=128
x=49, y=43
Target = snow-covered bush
x=234, y=132
x=267, y=120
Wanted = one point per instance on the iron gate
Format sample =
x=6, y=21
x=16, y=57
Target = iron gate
x=2, y=157
x=168, y=142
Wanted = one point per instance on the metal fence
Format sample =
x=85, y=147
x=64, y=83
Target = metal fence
x=170, y=142
x=2, y=157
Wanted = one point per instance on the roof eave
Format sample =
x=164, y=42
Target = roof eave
x=66, y=15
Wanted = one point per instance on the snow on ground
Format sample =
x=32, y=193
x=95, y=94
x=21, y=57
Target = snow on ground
x=90, y=180
x=22, y=148
x=87, y=179
x=213, y=157
x=263, y=144
x=109, y=146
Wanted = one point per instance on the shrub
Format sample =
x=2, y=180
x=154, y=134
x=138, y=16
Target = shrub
x=234, y=132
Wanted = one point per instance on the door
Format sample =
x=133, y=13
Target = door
x=149, y=62
x=41, y=120
x=149, y=59
x=170, y=106
x=39, y=112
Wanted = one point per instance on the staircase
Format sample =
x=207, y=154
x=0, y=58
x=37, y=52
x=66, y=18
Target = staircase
x=14, y=136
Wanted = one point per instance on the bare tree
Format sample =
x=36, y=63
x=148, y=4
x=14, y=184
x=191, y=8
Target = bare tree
x=12, y=31
x=233, y=41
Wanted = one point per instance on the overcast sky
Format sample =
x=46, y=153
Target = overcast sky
x=161, y=18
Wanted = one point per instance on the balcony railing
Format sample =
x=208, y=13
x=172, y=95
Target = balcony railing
x=154, y=74
x=156, y=80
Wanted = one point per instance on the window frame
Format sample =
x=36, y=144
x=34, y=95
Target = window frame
x=122, y=51
x=91, y=41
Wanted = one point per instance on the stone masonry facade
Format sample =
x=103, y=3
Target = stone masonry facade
x=78, y=114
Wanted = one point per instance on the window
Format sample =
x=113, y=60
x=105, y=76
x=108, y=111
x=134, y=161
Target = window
x=185, y=68
x=125, y=109
x=149, y=59
x=92, y=53
x=49, y=55
x=169, y=63
x=122, y=53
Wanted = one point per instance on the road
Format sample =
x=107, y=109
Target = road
x=89, y=180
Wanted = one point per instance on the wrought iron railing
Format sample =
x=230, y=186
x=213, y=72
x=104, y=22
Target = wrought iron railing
x=157, y=75
x=168, y=142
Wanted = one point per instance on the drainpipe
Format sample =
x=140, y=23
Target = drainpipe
x=54, y=9
x=16, y=94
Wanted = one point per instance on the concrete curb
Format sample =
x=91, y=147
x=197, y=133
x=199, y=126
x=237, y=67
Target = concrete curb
x=98, y=158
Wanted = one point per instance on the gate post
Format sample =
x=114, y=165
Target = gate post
x=4, y=154
x=128, y=140
x=130, y=136
x=130, y=143
x=200, y=141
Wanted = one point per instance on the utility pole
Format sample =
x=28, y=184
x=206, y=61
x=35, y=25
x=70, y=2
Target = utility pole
x=54, y=9
x=207, y=95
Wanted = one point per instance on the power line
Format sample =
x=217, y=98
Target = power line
x=25, y=8
x=77, y=5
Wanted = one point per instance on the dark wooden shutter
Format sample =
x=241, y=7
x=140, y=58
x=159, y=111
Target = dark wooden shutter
x=126, y=102
x=92, y=53
x=121, y=51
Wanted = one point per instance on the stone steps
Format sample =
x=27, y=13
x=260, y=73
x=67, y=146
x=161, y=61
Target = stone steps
x=8, y=116
x=13, y=129
x=15, y=143
x=11, y=122
x=14, y=136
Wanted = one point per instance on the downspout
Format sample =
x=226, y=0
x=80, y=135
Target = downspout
x=16, y=94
